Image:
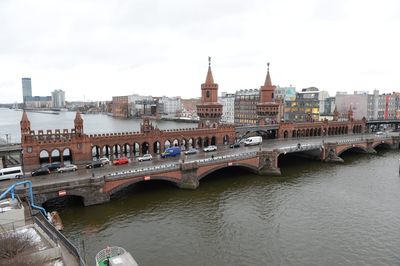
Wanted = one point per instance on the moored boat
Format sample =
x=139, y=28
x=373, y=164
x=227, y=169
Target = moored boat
x=114, y=256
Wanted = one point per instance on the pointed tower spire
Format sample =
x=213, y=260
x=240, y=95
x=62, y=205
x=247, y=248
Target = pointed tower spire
x=209, y=78
x=335, y=114
x=78, y=122
x=209, y=110
x=267, y=107
x=350, y=113
x=268, y=78
x=25, y=124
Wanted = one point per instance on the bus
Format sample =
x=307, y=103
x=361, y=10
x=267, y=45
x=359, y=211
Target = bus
x=11, y=173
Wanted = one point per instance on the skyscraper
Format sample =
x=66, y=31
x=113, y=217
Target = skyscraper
x=58, y=98
x=26, y=89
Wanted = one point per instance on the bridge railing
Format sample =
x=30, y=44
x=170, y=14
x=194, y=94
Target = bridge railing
x=228, y=157
x=144, y=170
x=177, y=165
x=302, y=147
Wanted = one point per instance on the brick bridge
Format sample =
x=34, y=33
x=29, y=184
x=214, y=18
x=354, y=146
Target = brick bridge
x=98, y=189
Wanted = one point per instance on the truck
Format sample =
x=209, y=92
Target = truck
x=171, y=152
x=253, y=141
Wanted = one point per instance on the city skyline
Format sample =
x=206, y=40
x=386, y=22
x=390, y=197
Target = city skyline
x=151, y=48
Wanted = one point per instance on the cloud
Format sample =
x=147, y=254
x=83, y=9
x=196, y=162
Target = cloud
x=104, y=48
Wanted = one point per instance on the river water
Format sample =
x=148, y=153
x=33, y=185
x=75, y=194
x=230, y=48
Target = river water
x=313, y=214
x=92, y=123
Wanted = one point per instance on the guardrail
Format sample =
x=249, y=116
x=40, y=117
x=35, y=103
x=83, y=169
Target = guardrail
x=57, y=237
x=175, y=166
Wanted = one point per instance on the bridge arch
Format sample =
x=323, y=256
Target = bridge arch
x=44, y=157
x=157, y=147
x=356, y=148
x=199, y=142
x=139, y=180
x=116, y=150
x=381, y=145
x=55, y=155
x=225, y=140
x=67, y=155
x=56, y=202
x=126, y=150
x=167, y=144
x=247, y=167
x=206, y=141
x=175, y=143
x=136, y=149
x=106, y=151
x=145, y=147
x=213, y=140
x=96, y=151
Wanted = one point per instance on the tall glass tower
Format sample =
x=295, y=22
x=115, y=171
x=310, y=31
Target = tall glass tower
x=26, y=89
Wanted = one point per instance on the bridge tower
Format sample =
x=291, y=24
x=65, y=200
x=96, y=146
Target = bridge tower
x=209, y=110
x=350, y=114
x=25, y=124
x=78, y=123
x=267, y=108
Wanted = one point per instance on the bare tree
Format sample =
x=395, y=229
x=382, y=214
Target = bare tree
x=17, y=249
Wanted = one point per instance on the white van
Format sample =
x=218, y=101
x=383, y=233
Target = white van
x=253, y=141
x=11, y=173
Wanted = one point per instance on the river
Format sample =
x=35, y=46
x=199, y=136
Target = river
x=315, y=213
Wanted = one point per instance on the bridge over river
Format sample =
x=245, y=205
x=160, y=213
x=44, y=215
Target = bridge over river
x=98, y=185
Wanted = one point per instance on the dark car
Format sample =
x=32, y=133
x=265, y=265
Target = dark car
x=95, y=164
x=53, y=166
x=41, y=171
x=235, y=145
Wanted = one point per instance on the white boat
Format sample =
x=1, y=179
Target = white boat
x=115, y=256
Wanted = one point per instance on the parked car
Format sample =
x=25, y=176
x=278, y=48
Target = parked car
x=235, y=145
x=380, y=134
x=171, y=152
x=191, y=151
x=95, y=164
x=53, y=166
x=67, y=168
x=146, y=157
x=122, y=160
x=210, y=148
x=104, y=160
x=41, y=171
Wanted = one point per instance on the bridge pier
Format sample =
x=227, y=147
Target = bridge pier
x=268, y=163
x=189, y=176
x=329, y=153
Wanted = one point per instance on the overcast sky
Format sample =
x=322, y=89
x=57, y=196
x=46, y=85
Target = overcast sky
x=94, y=49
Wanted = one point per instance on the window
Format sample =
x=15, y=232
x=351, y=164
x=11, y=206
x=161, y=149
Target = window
x=208, y=94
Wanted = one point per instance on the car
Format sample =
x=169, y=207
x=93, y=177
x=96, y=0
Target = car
x=210, y=148
x=171, y=152
x=235, y=145
x=67, y=168
x=146, y=157
x=122, y=160
x=380, y=134
x=104, y=160
x=41, y=171
x=191, y=151
x=53, y=166
x=95, y=164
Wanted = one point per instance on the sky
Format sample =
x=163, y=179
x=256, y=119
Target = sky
x=96, y=49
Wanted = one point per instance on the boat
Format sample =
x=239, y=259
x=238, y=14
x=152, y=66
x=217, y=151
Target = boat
x=114, y=256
